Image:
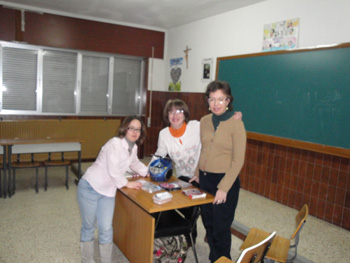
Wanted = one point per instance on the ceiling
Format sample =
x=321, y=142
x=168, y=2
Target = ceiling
x=160, y=14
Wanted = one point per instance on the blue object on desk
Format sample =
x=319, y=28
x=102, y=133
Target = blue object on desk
x=161, y=169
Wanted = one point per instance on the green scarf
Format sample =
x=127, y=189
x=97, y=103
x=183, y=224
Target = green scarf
x=223, y=117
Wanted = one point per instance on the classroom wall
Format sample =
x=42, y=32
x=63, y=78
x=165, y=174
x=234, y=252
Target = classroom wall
x=322, y=22
x=284, y=174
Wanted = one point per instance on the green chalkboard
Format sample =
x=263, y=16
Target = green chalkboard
x=302, y=95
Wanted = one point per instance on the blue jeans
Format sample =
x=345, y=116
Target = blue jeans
x=95, y=207
x=217, y=219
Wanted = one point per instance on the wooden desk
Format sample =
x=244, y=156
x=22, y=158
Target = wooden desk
x=134, y=225
x=21, y=146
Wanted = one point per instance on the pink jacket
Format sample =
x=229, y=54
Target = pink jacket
x=106, y=174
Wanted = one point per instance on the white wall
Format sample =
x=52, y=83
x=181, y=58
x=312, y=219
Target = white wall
x=322, y=22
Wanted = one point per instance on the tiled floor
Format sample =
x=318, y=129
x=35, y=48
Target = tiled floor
x=44, y=227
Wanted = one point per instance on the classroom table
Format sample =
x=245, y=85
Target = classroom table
x=46, y=145
x=134, y=225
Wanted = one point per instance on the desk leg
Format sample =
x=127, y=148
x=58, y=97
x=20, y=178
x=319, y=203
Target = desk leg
x=79, y=165
x=4, y=163
x=79, y=169
x=133, y=230
x=9, y=152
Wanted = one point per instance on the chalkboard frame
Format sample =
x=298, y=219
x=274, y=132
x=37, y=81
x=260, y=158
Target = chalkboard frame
x=321, y=148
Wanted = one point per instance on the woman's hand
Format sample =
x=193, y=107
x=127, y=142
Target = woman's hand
x=194, y=178
x=220, y=197
x=134, y=185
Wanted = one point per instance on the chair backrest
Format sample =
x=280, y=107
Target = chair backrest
x=300, y=219
x=257, y=252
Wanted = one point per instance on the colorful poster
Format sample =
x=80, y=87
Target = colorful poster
x=175, y=74
x=281, y=35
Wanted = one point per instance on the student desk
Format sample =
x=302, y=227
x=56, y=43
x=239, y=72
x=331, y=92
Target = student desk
x=134, y=225
x=21, y=146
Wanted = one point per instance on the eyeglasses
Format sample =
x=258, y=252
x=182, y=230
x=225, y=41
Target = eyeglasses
x=134, y=129
x=219, y=100
x=176, y=112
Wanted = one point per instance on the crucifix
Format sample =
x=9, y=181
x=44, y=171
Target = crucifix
x=186, y=55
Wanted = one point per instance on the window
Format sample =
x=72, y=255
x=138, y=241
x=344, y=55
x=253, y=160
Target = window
x=125, y=86
x=59, y=81
x=48, y=81
x=94, y=85
x=19, y=79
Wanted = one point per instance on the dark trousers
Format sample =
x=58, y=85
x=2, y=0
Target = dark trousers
x=217, y=219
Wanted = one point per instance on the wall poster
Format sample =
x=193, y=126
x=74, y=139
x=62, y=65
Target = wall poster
x=207, y=69
x=281, y=35
x=175, y=74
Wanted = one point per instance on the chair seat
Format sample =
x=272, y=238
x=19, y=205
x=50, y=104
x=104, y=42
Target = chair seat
x=254, y=236
x=224, y=260
x=56, y=163
x=25, y=164
x=279, y=249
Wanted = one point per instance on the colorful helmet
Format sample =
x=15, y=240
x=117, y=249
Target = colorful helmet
x=161, y=169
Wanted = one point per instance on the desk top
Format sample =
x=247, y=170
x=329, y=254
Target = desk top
x=38, y=141
x=179, y=200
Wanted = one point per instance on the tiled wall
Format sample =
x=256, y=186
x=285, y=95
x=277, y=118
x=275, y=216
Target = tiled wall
x=293, y=177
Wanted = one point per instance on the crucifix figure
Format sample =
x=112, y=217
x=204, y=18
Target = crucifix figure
x=186, y=55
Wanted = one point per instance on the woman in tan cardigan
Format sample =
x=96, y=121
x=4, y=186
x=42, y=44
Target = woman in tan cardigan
x=223, y=141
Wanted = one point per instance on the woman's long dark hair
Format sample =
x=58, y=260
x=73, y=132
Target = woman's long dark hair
x=124, y=128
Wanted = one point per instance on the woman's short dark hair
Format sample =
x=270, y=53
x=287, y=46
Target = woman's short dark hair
x=124, y=128
x=177, y=104
x=224, y=87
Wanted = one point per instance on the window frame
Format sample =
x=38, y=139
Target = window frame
x=139, y=105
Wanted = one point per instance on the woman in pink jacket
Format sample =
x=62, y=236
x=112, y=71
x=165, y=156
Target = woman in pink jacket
x=98, y=186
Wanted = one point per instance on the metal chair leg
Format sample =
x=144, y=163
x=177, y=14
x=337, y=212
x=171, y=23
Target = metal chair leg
x=13, y=190
x=67, y=177
x=194, y=248
x=36, y=179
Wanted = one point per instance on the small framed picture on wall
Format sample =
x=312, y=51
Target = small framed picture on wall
x=207, y=69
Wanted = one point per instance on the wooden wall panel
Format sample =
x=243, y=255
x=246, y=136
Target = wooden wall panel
x=73, y=33
x=94, y=133
x=7, y=24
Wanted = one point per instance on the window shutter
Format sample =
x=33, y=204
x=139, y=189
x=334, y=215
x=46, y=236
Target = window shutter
x=59, y=81
x=19, y=79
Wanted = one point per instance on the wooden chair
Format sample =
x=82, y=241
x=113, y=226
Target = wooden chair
x=52, y=163
x=252, y=254
x=172, y=223
x=280, y=246
x=22, y=165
